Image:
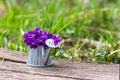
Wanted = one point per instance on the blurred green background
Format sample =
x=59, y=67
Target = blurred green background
x=90, y=29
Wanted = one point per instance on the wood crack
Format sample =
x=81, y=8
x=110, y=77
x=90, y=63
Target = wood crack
x=44, y=74
x=16, y=61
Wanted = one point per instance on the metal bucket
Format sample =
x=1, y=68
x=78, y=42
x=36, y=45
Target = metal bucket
x=36, y=57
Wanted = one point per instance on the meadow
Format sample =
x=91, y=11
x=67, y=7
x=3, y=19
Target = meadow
x=89, y=29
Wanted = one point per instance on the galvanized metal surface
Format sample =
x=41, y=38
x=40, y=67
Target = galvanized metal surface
x=37, y=56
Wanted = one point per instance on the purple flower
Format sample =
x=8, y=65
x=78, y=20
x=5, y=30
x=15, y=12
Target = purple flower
x=38, y=37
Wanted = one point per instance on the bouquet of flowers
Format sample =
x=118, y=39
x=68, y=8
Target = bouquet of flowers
x=38, y=37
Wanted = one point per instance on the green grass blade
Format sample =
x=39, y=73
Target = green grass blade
x=67, y=24
x=54, y=27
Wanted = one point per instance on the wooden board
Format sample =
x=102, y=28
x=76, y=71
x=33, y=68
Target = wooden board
x=13, y=67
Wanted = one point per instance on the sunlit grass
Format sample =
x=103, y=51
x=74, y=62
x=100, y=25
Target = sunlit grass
x=75, y=19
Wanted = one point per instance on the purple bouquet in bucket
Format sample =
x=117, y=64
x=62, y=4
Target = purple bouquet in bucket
x=40, y=44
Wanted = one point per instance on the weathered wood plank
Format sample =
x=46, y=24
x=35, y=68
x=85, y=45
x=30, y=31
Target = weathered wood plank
x=13, y=55
x=15, y=63
x=13, y=75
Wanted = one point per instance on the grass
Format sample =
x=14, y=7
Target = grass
x=97, y=21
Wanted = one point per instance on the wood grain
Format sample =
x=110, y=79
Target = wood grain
x=14, y=67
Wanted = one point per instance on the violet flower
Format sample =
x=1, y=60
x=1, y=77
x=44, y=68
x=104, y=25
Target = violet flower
x=37, y=38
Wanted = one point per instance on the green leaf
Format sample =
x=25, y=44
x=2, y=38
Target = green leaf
x=109, y=39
